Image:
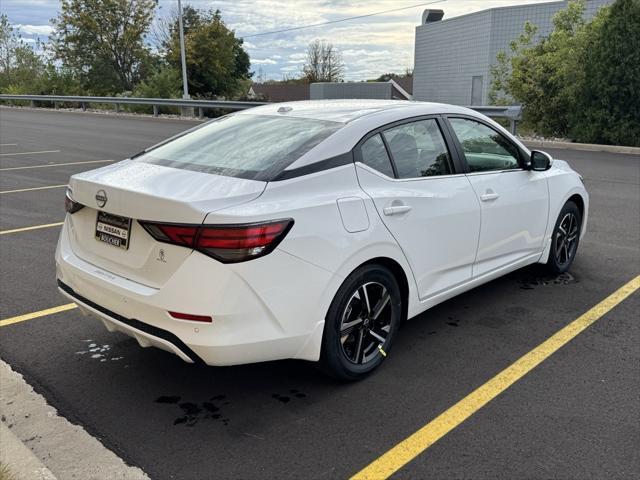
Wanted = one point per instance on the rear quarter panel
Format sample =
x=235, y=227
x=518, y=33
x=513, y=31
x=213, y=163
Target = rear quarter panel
x=319, y=235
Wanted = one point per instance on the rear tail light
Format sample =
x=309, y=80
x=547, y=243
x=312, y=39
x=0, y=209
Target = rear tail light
x=226, y=243
x=70, y=205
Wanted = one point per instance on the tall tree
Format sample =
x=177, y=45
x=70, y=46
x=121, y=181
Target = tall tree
x=21, y=68
x=608, y=96
x=103, y=41
x=543, y=75
x=217, y=63
x=323, y=63
x=582, y=81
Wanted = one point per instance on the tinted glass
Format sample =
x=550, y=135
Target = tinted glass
x=374, y=154
x=484, y=148
x=248, y=146
x=418, y=149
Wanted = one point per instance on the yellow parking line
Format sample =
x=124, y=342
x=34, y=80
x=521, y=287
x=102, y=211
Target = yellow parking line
x=32, y=189
x=408, y=449
x=29, y=153
x=26, y=229
x=41, y=313
x=54, y=165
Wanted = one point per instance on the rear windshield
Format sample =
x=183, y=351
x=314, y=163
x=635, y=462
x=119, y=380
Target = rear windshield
x=256, y=147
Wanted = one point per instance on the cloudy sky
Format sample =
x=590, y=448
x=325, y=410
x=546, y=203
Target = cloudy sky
x=370, y=46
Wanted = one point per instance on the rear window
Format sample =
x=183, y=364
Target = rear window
x=256, y=147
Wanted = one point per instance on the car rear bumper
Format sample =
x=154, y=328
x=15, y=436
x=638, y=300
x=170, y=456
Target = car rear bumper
x=146, y=335
x=270, y=308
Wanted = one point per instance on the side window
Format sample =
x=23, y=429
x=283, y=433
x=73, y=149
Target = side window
x=418, y=149
x=374, y=154
x=484, y=148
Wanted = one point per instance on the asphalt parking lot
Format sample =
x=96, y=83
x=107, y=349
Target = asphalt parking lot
x=575, y=416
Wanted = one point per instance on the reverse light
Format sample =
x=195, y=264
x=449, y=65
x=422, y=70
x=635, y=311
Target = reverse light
x=226, y=243
x=70, y=205
x=191, y=317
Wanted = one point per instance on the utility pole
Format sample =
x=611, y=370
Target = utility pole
x=185, y=86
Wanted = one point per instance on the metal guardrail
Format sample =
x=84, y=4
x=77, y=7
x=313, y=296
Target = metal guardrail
x=156, y=103
x=511, y=113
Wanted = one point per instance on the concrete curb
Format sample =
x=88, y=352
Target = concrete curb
x=21, y=461
x=66, y=449
x=590, y=147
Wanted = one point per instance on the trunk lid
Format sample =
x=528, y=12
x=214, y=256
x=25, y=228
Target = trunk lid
x=143, y=191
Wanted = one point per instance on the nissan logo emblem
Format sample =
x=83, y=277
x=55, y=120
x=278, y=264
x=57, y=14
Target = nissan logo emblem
x=101, y=198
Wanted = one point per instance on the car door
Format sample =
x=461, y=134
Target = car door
x=429, y=208
x=514, y=200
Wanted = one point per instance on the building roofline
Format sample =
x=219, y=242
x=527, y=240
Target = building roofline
x=489, y=10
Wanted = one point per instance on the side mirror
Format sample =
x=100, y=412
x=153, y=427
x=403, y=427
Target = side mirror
x=540, y=161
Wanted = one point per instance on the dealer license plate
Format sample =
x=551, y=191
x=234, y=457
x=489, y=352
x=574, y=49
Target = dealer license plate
x=113, y=229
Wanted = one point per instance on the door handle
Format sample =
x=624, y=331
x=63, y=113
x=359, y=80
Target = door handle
x=488, y=197
x=396, y=210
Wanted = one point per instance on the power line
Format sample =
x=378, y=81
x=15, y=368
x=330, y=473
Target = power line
x=342, y=19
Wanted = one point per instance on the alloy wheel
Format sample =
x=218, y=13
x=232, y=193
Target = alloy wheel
x=366, y=323
x=566, y=239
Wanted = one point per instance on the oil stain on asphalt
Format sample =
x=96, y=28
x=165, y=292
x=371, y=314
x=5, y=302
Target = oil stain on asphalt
x=529, y=283
x=286, y=398
x=192, y=413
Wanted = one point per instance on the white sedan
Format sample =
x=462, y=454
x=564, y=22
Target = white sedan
x=311, y=230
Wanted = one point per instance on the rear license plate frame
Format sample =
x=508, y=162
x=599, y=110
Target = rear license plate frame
x=113, y=230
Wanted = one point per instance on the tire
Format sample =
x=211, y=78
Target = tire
x=565, y=239
x=357, y=339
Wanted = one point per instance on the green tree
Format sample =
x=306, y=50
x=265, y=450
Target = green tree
x=217, y=63
x=164, y=83
x=544, y=76
x=607, y=108
x=22, y=70
x=385, y=77
x=103, y=42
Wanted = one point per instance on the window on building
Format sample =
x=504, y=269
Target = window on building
x=476, y=90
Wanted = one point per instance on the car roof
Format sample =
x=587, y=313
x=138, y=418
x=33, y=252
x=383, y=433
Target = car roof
x=345, y=111
x=359, y=117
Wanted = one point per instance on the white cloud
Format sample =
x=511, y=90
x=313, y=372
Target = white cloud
x=35, y=29
x=265, y=61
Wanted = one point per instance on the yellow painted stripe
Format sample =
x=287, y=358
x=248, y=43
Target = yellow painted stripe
x=28, y=153
x=54, y=165
x=41, y=313
x=26, y=229
x=32, y=189
x=411, y=447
